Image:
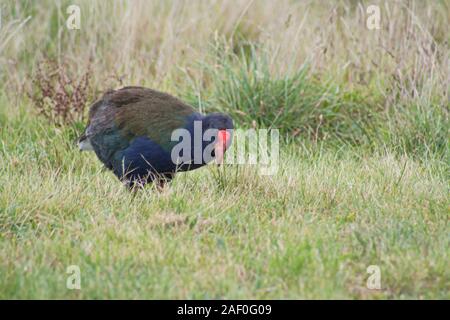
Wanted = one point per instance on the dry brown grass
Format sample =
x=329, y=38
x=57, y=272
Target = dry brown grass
x=156, y=43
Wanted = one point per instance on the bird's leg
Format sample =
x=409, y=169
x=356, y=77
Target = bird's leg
x=134, y=184
x=160, y=185
x=162, y=181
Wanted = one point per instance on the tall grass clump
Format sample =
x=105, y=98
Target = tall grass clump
x=246, y=86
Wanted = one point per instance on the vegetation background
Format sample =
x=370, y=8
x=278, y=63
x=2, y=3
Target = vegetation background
x=364, y=164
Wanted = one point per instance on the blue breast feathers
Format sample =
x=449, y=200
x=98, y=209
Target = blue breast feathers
x=141, y=157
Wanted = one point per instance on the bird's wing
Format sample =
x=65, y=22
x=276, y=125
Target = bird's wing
x=137, y=111
x=123, y=115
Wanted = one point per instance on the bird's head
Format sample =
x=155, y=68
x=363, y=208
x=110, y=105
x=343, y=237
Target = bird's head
x=224, y=126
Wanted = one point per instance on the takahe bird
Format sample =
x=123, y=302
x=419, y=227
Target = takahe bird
x=130, y=130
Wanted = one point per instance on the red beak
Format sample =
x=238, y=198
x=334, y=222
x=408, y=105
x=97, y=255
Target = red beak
x=223, y=138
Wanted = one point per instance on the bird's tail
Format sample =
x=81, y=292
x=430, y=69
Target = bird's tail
x=84, y=143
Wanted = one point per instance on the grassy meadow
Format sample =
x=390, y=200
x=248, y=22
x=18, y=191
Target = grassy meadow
x=363, y=176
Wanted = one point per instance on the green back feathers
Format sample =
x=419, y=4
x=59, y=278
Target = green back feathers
x=137, y=111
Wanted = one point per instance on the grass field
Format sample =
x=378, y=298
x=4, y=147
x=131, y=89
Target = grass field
x=363, y=177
